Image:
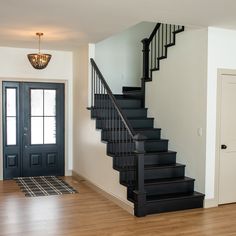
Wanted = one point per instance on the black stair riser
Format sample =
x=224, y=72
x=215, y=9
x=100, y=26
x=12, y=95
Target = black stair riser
x=174, y=205
x=104, y=113
x=166, y=188
x=165, y=173
x=120, y=148
x=106, y=124
x=124, y=103
x=128, y=89
x=154, y=146
x=149, y=174
x=115, y=135
x=160, y=159
x=169, y=188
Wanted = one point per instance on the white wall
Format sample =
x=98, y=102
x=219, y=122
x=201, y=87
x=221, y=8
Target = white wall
x=15, y=66
x=221, y=54
x=120, y=57
x=90, y=159
x=177, y=99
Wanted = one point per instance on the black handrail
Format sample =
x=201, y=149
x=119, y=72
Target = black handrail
x=154, y=32
x=116, y=105
x=155, y=49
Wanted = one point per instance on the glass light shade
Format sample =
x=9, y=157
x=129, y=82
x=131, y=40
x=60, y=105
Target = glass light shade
x=38, y=60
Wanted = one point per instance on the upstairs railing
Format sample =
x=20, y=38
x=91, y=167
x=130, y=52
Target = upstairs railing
x=122, y=139
x=155, y=47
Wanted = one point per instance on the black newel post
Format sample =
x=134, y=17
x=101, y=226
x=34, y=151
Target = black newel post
x=145, y=76
x=146, y=50
x=139, y=193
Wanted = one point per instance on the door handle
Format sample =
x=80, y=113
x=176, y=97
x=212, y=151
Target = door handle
x=223, y=146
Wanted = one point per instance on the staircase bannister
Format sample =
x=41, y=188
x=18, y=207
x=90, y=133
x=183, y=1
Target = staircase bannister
x=155, y=49
x=107, y=102
x=113, y=99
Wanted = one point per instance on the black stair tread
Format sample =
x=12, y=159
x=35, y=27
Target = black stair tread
x=163, y=166
x=128, y=88
x=151, y=167
x=132, y=118
x=170, y=197
x=138, y=129
x=147, y=153
x=121, y=96
x=125, y=108
x=132, y=91
x=156, y=140
x=146, y=129
x=168, y=180
x=146, y=140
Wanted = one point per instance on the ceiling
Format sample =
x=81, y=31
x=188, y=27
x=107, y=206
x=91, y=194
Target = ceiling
x=70, y=23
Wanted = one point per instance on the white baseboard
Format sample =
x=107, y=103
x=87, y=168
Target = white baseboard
x=124, y=205
x=208, y=203
x=68, y=173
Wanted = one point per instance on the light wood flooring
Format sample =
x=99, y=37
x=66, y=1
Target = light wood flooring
x=88, y=213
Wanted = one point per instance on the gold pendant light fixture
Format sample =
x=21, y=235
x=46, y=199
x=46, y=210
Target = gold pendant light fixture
x=39, y=60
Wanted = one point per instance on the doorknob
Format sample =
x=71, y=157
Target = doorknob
x=223, y=146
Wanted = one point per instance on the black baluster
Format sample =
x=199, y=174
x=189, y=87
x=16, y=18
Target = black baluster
x=159, y=43
x=155, y=58
x=166, y=33
x=92, y=71
x=162, y=40
x=151, y=55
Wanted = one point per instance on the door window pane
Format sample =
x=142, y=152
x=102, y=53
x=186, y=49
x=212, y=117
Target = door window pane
x=36, y=98
x=11, y=101
x=11, y=130
x=36, y=130
x=49, y=102
x=49, y=130
x=43, y=116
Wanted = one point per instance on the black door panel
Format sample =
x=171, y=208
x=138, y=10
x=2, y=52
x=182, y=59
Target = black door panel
x=40, y=130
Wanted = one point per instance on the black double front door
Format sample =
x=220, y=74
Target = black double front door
x=33, y=129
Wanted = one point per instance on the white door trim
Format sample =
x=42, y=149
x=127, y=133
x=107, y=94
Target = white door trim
x=220, y=73
x=67, y=144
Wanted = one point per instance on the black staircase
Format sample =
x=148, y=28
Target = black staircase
x=155, y=182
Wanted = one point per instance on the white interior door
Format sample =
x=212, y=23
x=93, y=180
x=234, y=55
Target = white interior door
x=227, y=178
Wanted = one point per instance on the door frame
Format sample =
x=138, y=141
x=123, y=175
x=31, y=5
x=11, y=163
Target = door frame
x=66, y=108
x=221, y=72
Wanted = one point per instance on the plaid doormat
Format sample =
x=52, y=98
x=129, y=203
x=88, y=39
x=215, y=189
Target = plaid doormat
x=44, y=186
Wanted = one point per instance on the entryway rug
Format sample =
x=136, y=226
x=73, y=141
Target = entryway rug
x=44, y=186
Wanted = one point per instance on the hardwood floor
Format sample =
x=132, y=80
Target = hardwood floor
x=89, y=213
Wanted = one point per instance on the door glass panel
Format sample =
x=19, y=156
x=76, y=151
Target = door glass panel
x=36, y=98
x=11, y=101
x=11, y=130
x=36, y=130
x=49, y=102
x=49, y=130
